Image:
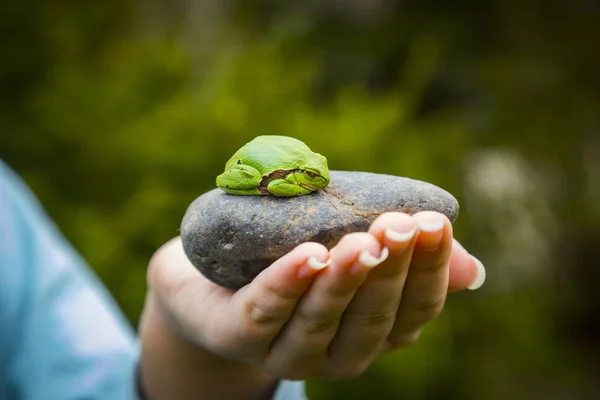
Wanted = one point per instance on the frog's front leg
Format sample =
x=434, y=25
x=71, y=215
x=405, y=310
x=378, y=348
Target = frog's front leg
x=240, y=179
x=287, y=187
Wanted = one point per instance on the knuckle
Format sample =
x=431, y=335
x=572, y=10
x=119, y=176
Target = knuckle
x=261, y=321
x=263, y=314
x=261, y=324
x=338, y=296
x=378, y=317
x=434, y=267
x=269, y=307
x=427, y=307
x=312, y=326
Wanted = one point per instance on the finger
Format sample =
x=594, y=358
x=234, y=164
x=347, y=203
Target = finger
x=260, y=309
x=466, y=271
x=302, y=344
x=427, y=281
x=367, y=321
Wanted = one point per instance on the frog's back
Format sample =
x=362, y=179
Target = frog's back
x=272, y=152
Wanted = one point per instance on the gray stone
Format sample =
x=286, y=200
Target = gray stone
x=231, y=239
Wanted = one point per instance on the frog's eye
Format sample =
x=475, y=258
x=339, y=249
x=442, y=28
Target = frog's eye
x=311, y=174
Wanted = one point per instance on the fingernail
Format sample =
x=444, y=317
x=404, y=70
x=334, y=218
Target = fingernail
x=368, y=260
x=312, y=267
x=431, y=226
x=395, y=236
x=479, y=277
x=431, y=233
x=316, y=264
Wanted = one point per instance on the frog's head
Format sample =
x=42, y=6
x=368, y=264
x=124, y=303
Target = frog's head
x=316, y=175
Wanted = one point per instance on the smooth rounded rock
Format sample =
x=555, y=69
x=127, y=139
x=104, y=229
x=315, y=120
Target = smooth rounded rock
x=230, y=239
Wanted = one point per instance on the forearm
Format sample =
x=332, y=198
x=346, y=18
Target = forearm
x=174, y=368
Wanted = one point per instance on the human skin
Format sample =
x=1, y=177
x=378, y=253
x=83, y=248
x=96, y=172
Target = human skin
x=313, y=313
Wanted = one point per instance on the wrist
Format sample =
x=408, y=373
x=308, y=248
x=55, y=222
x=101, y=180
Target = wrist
x=174, y=367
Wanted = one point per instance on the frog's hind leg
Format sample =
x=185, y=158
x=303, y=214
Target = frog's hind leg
x=287, y=187
x=240, y=179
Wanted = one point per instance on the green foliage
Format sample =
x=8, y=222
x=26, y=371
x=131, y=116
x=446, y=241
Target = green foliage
x=117, y=131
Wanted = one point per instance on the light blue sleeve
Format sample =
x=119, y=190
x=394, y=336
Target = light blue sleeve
x=61, y=334
x=291, y=390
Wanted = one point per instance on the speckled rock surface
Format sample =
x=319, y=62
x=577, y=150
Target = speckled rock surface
x=231, y=239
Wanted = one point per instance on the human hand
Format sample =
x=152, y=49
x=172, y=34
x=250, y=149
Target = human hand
x=320, y=313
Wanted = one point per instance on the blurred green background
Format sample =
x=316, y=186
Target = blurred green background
x=119, y=113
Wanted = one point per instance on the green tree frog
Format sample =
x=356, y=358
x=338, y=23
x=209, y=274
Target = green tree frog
x=274, y=165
